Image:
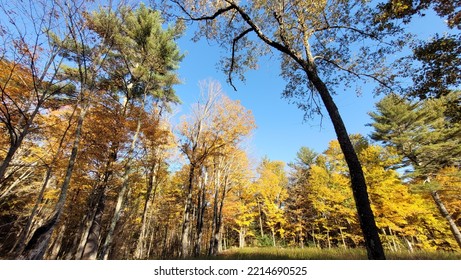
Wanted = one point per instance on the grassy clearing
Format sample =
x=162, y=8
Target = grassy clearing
x=268, y=253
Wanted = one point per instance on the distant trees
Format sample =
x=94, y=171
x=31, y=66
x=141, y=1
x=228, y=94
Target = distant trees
x=271, y=194
x=217, y=126
x=406, y=219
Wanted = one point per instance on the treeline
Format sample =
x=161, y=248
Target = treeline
x=92, y=168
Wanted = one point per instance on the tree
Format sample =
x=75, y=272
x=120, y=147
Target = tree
x=406, y=9
x=424, y=135
x=435, y=67
x=271, y=188
x=421, y=132
x=141, y=63
x=29, y=81
x=217, y=122
x=299, y=207
x=314, y=39
x=83, y=76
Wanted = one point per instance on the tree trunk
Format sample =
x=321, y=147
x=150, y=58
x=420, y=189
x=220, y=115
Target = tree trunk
x=342, y=238
x=151, y=191
x=38, y=244
x=260, y=220
x=185, y=235
x=215, y=244
x=21, y=241
x=92, y=235
x=121, y=196
x=242, y=233
x=359, y=188
x=443, y=210
x=200, y=215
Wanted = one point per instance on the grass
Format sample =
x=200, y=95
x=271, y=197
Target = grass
x=271, y=253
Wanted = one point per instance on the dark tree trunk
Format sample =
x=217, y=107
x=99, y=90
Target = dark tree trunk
x=91, y=244
x=201, y=205
x=217, y=229
x=185, y=235
x=359, y=188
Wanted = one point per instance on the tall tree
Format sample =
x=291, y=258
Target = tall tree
x=30, y=63
x=424, y=135
x=142, y=62
x=83, y=75
x=318, y=41
x=216, y=122
x=272, y=190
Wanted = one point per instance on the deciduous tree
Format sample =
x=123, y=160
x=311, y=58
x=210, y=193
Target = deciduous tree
x=318, y=41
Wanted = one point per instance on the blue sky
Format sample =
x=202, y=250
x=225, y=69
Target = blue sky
x=281, y=130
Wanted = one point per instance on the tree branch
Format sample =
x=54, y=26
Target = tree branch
x=211, y=17
x=234, y=42
x=358, y=75
x=284, y=49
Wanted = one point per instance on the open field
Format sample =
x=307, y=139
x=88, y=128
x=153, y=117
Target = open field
x=266, y=253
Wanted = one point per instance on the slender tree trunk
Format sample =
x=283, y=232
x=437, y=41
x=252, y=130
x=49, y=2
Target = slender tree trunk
x=242, y=233
x=359, y=188
x=313, y=237
x=21, y=242
x=150, y=199
x=90, y=238
x=200, y=214
x=443, y=210
x=92, y=235
x=57, y=243
x=26, y=174
x=185, y=235
x=342, y=238
x=260, y=219
x=216, y=233
x=410, y=246
x=38, y=244
x=121, y=196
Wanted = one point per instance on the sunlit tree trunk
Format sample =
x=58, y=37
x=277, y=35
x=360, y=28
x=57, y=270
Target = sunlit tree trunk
x=38, y=244
x=443, y=210
x=122, y=193
x=150, y=199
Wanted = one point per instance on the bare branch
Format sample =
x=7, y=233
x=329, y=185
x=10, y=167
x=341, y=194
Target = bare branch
x=358, y=75
x=234, y=42
x=211, y=17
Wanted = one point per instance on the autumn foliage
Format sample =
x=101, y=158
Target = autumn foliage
x=94, y=165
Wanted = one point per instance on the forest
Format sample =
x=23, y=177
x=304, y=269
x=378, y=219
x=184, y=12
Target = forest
x=92, y=166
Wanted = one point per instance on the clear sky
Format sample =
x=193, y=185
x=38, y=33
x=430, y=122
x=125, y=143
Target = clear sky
x=281, y=130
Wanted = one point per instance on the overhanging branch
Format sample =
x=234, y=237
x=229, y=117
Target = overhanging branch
x=234, y=43
x=358, y=75
x=205, y=17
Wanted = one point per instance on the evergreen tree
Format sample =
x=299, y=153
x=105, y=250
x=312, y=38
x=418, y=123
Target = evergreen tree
x=426, y=135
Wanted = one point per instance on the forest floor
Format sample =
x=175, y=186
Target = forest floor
x=275, y=253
